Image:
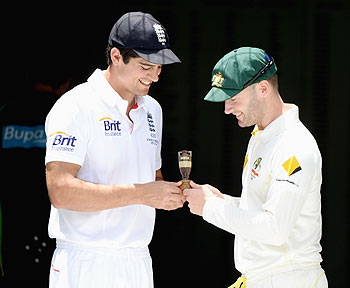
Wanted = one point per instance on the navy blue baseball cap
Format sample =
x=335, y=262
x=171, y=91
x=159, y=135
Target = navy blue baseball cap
x=145, y=35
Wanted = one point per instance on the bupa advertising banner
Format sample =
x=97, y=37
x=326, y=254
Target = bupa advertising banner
x=16, y=136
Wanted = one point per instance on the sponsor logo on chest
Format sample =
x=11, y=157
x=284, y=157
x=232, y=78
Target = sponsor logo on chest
x=111, y=127
x=114, y=128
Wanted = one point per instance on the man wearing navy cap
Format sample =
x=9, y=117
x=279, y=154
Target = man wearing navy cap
x=277, y=220
x=103, y=157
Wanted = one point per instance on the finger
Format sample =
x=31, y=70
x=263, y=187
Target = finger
x=178, y=184
x=180, y=204
x=189, y=198
x=173, y=205
x=193, y=190
x=176, y=197
x=185, y=192
x=170, y=182
x=176, y=190
x=169, y=206
x=183, y=199
x=192, y=209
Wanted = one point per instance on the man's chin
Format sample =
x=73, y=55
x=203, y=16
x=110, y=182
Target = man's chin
x=143, y=92
x=243, y=124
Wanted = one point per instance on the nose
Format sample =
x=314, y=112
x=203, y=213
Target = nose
x=228, y=106
x=154, y=74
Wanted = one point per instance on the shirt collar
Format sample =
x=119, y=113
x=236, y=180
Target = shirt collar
x=108, y=95
x=280, y=124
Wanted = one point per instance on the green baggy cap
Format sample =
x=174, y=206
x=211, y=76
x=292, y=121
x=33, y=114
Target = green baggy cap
x=237, y=70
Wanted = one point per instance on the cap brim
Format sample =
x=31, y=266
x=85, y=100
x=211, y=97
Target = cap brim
x=163, y=57
x=220, y=94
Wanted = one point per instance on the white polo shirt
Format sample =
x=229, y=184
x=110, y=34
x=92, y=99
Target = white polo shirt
x=277, y=219
x=88, y=126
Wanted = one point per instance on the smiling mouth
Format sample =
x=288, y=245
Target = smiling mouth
x=146, y=83
x=238, y=115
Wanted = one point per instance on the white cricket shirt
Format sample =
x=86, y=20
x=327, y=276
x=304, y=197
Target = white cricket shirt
x=88, y=126
x=277, y=219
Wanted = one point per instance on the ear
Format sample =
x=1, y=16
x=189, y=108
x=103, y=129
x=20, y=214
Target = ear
x=116, y=57
x=263, y=87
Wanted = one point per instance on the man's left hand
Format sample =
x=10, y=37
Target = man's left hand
x=198, y=195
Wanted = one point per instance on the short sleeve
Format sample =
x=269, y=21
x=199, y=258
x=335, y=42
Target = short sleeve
x=159, y=136
x=66, y=129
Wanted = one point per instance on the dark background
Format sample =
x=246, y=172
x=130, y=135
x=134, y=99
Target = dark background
x=59, y=41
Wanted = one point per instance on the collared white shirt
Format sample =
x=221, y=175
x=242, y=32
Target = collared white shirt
x=277, y=219
x=88, y=126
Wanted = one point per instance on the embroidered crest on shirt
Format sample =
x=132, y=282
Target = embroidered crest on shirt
x=256, y=168
x=150, y=122
x=152, y=129
x=291, y=166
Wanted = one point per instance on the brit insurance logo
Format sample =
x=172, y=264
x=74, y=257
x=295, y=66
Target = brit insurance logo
x=111, y=127
x=63, y=141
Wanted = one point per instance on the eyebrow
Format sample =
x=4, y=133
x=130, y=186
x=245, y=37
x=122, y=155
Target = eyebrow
x=150, y=65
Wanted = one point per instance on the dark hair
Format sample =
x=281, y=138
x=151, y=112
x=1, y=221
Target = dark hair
x=126, y=53
x=274, y=81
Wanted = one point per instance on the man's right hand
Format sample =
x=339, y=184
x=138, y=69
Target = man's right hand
x=66, y=191
x=163, y=195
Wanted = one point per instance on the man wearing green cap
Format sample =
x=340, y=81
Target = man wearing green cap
x=277, y=220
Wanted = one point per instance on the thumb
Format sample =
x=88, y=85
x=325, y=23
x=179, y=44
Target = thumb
x=178, y=184
x=194, y=185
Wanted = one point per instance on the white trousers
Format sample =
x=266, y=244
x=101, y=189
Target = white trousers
x=80, y=267
x=303, y=278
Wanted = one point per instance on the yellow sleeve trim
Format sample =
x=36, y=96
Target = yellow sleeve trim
x=318, y=278
x=245, y=161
